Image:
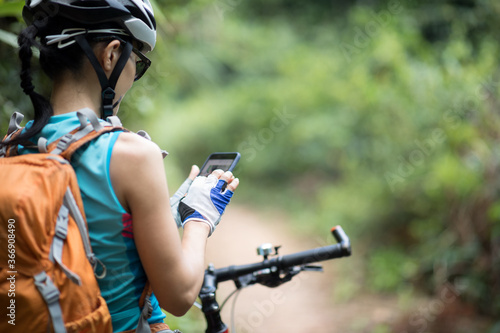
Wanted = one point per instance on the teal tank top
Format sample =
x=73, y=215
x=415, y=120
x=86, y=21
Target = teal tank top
x=110, y=226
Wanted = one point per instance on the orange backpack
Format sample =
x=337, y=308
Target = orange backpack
x=47, y=268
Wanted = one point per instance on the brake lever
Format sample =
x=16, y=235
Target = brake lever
x=245, y=281
x=312, y=268
x=272, y=278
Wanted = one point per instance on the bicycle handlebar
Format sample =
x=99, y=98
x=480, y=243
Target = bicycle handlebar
x=213, y=276
x=341, y=249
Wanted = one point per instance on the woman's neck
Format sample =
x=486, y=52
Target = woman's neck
x=71, y=94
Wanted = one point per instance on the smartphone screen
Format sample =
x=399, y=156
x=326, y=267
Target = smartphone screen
x=224, y=161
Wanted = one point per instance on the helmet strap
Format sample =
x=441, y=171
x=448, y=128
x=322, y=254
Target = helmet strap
x=107, y=85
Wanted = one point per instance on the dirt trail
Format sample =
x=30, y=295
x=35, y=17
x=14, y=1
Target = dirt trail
x=303, y=305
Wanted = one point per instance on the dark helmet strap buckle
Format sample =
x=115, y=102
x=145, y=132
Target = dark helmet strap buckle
x=108, y=95
x=107, y=85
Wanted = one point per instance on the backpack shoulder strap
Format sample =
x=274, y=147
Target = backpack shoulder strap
x=69, y=143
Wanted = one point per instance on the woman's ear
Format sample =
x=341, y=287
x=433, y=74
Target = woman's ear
x=109, y=55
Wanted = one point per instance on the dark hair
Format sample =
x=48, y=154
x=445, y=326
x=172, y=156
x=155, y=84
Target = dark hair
x=53, y=61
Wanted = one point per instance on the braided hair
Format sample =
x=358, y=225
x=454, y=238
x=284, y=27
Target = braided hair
x=42, y=108
x=53, y=61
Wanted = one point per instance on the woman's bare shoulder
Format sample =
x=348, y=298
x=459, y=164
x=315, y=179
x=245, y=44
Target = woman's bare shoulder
x=133, y=147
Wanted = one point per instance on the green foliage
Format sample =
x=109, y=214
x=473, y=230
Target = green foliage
x=190, y=322
x=388, y=130
x=388, y=267
x=8, y=38
x=11, y=8
x=11, y=97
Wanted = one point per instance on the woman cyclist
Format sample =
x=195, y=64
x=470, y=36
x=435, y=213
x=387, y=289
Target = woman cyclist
x=93, y=50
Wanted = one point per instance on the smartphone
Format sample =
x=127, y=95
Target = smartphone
x=224, y=161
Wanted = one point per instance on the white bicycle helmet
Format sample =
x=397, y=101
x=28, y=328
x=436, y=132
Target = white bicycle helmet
x=135, y=17
x=94, y=19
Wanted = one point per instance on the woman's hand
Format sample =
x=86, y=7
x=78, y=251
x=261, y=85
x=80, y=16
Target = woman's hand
x=207, y=198
x=181, y=192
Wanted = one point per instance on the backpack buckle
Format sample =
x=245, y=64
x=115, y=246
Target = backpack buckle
x=51, y=295
x=65, y=141
x=47, y=288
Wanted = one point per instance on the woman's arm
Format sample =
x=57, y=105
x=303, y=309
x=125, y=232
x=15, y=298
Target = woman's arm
x=174, y=268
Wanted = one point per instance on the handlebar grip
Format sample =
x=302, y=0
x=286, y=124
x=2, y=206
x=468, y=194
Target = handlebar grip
x=342, y=249
x=314, y=255
x=339, y=234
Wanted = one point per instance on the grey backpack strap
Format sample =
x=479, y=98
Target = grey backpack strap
x=14, y=129
x=147, y=311
x=114, y=121
x=50, y=294
x=15, y=122
x=85, y=114
x=70, y=203
x=145, y=135
x=42, y=145
x=69, y=138
x=56, y=248
x=85, y=128
x=66, y=140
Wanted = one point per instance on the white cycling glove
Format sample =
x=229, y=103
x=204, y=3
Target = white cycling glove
x=174, y=201
x=205, y=201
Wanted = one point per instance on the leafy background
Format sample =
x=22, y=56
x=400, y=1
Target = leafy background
x=381, y=116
